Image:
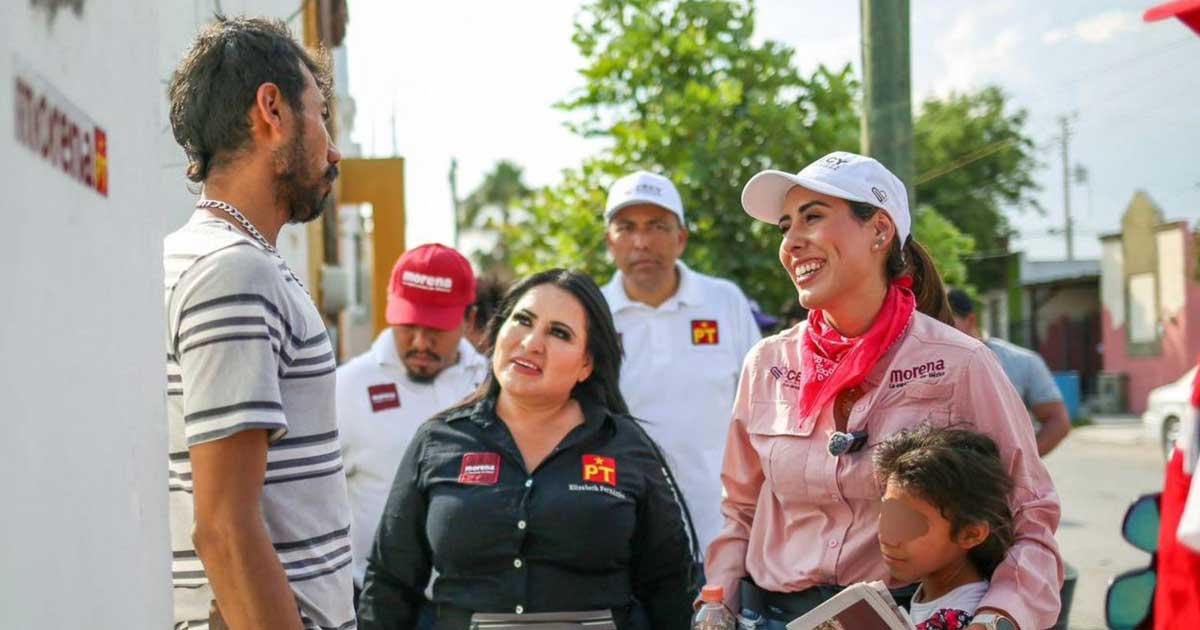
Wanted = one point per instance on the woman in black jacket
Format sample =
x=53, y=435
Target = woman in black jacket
x=539, y=493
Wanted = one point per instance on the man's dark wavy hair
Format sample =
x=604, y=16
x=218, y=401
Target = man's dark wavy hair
x=959, y=472
x=216, y=82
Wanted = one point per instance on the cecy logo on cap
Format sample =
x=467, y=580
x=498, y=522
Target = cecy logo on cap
x=480, y=469
x=425, y=282
x=879, y=194
x=600, y=468
x=644, y=188
x=834, y=162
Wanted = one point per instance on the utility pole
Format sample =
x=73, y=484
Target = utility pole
x=1069, y=228
x=887, y=129
x=454, y=197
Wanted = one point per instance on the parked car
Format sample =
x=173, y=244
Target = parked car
x=1165, y=408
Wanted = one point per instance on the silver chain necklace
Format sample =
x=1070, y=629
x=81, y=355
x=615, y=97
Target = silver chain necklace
x=253, y=231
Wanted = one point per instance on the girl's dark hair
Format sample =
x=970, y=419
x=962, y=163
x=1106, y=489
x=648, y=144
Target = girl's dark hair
x=911, y=258
x=216, y=82
x=603, y=343
x=959, y=472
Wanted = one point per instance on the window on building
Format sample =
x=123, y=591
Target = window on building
x=1143, y=314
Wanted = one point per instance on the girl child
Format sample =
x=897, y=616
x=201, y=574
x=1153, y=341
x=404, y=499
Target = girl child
x=945, y=521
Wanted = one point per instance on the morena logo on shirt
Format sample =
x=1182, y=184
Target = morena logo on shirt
x=479, y=469
x=901, y=377
x=600, y=469
x=705, y=332
x=383, y=396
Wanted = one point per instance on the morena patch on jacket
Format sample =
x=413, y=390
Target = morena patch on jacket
x=479, y=469
x=383, y=396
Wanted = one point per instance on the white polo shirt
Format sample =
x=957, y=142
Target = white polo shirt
x=378, y=410
x=679, y=376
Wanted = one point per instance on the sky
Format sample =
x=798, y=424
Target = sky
x=477, y=80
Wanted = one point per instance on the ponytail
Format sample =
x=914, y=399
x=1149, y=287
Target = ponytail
x=913, y=260
x=927, y=282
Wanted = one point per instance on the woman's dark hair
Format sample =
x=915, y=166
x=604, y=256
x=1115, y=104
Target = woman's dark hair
x=603, y=343
x=911, y=258
x=959, y=472
x=216, y=82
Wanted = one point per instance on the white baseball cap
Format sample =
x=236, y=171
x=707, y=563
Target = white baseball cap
x=840, y=174
x=643, y=187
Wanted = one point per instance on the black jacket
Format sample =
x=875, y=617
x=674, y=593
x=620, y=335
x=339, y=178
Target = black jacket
x=596, y=526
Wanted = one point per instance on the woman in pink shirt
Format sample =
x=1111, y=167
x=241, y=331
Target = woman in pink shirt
x=801, y=500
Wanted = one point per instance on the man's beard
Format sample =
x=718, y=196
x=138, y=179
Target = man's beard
x=423, y=378
x=304, y=199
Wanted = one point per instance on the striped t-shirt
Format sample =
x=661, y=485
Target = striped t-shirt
x=246, y=349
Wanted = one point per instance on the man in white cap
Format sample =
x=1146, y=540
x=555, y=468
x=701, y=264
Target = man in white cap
x=684, y=336
x=419, y=366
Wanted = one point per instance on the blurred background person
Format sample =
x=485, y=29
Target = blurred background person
x=418, y=367
x=1026, y=370
x=539, y=494
x=684, y=335
x=488, y=293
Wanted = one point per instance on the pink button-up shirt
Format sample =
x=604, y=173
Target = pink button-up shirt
x=795, y=516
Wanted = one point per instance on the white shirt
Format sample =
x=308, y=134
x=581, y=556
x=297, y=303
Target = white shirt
x=680, y=374
x=378, y=410
x=965, y=598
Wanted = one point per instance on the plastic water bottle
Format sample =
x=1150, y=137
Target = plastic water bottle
x=713, y=615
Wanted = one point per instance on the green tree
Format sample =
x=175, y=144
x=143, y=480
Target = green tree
x=973, y=160
x=490, y=209
x=679, y=88
x=564, y=226
x=948, y=246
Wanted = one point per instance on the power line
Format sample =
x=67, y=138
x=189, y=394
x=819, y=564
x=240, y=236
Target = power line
x=1000, y=145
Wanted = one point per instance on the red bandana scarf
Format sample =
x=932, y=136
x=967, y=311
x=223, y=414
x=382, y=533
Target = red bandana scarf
x=830, y=363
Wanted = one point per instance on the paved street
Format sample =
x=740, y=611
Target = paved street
x=1098, y=471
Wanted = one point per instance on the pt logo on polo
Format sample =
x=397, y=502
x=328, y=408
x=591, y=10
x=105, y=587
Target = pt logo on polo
x=383, y=396
x=705, y=333
x=599, y=468
x=480, y=469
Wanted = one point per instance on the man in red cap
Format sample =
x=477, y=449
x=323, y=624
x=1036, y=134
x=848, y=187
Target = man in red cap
x=417, y=367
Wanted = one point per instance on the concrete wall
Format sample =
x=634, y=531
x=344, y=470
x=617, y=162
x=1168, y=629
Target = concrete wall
x=83, y=459
x=82, y=464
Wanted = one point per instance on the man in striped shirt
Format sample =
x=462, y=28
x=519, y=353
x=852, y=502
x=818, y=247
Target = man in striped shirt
x=259, y=515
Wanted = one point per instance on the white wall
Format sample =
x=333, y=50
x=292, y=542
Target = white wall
x=83, y=456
